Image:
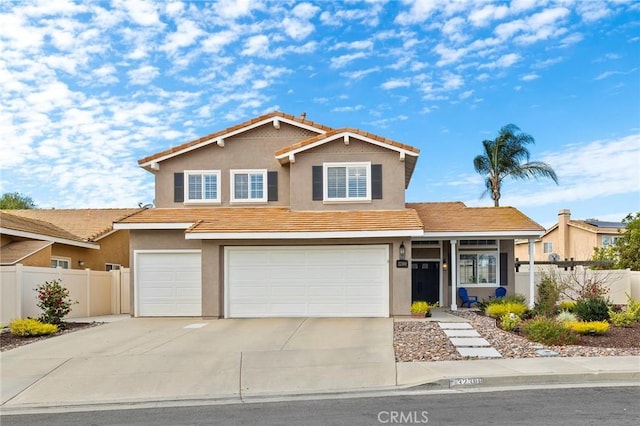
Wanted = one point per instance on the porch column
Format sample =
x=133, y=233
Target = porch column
x=531, y=273
x=454, y=275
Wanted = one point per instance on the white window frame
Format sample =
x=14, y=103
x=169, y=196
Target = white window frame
x=201, y=173
x=325, y=182
x=609, y=240
x=488, y=250
x=232, y=191
x=58, y=260
x=548, y=244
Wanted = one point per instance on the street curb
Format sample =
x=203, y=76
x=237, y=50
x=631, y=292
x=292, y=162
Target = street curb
x=495, y=383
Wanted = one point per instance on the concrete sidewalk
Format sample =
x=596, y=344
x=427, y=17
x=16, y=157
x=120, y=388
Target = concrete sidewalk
x=136, y=360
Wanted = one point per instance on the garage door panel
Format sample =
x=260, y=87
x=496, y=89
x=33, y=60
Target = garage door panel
x=168, y=283
x=319, y=281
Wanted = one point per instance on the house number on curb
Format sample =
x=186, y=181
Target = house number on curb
x=466, y=381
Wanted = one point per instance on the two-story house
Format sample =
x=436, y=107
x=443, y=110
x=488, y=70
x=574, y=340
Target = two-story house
x=282, y=216
x=572, y=239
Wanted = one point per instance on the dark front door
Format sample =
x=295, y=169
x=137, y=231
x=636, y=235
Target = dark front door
x=425, y=281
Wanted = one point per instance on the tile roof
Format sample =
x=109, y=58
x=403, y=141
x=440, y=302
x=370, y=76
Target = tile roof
x=78, y=224
x=15, y=251
x=318, y=138
x=215, y=135
x=457, y=217
x=279, y=219
x=34, y=226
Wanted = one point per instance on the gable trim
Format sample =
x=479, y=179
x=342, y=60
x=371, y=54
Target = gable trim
x=217, y=137
x=300, y=235
x=483, y=234
x=176, y=225
x=289, y=154
x=41, y=237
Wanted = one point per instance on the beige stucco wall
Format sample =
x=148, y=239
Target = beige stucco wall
x=357, y=151
x=40, y=258
x=253, y=149
x=114, y=248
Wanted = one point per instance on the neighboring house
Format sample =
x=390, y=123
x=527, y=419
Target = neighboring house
x=70, y=239
x=282, y=216
x=571, y=239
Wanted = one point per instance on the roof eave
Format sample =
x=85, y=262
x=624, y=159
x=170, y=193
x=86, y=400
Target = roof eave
x=483, y=234
x=301, y=235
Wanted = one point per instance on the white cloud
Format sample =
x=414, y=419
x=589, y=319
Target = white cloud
x=305, y=11
x=344, y=60
x=593, y=10
x=419, y=11
x=355, y=45
x=348, y=108
x=186, y=34
x=234, y=9
x=297, y=29
x=394, y=84
x=505, y=61
x=447, y=55
x=484, y=16
x=141, y=12
x=530, y=77
x=143, y=75
x=358, y=74
x=257, y=45
x=465, y=94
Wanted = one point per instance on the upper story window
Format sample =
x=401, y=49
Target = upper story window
x=248, y=186
x=347, y=181
x=203, y=186
x=548, y=247
x=608, y=240
x=60, y=262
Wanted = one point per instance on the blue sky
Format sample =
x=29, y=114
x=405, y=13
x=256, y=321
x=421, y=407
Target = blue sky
x=88, y=88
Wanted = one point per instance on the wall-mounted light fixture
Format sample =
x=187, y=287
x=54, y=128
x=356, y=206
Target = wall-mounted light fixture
x=403, y=251
x=81, y=263
x=444, y=264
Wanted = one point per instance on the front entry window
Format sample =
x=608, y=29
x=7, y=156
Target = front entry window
x=479, y=268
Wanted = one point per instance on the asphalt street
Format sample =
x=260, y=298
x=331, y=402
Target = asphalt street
x=566, y=406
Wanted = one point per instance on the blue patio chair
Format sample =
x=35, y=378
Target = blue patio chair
x=501, y=292
x=466, y=299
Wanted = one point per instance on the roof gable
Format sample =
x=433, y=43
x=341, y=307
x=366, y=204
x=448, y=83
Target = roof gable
x=150, y=162
x=406, y=153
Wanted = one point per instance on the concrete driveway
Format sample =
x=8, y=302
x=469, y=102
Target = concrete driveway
x=155, y=359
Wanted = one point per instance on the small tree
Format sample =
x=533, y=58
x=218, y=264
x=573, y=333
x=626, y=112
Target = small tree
x=628, y=244
x=54, y=301
x=15, y=201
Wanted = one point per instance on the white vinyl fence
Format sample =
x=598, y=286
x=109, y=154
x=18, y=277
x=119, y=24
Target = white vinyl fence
x=620, y=281
x=97, y=292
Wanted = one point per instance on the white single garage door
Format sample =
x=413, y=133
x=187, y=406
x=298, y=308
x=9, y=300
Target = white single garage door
x=168, y=283
x=307, y=281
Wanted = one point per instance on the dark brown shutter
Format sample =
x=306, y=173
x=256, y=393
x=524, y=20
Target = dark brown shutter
x=178, y=187
x=316, y=180
x=272, y=186
x=504, y=270
x=376, y=181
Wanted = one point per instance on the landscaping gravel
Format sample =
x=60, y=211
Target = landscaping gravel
x=425, y=341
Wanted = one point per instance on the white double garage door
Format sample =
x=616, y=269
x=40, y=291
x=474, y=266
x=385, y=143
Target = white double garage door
x=269, y=281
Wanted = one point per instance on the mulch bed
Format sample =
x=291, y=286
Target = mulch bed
x=615, y=337
x=9, y=341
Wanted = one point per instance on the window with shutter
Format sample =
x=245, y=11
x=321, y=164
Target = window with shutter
x=347, y=182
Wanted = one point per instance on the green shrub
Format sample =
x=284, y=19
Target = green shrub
x=621, y=319
x=54, y=301
x=548, y=332
x=31, y=327
x=567, y=305
x=498, y=310
x=597, y=327
x=510, y=322
x=593, y=309
x=549, y=292
x=633, y=307
x=566, y=316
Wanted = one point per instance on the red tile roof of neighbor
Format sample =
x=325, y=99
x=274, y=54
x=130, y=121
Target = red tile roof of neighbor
x=457, y=217
x=77, y=224
x=223, y=132
x=279, y=219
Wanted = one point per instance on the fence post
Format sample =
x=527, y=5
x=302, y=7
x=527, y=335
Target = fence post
x=19, y=271
x=88, y=275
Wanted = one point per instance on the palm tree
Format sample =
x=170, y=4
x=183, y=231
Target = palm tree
x=508, y=156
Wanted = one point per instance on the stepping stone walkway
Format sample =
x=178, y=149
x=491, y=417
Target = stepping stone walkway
x=467, y=340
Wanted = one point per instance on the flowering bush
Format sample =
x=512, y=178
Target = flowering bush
x=549, y=332
x=510, y=322
x=595, y=327
x=592, y=290
x=54, y=301
x=498, y=310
